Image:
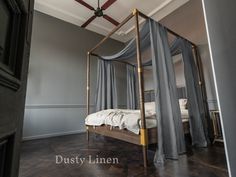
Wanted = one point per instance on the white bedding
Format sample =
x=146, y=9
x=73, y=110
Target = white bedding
x=122, y=118
x=184, y=113
x=125, y=119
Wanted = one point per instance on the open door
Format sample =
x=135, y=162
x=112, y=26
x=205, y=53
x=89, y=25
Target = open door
x=15, y=37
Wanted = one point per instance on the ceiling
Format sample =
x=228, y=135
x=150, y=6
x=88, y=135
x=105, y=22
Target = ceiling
x=73, y=12
x=188, y=21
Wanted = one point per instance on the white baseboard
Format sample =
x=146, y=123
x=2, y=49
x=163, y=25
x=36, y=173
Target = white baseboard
x=27, y=138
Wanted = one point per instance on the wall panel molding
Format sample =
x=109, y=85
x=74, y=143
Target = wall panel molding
x=54, y=106
x=27, y=138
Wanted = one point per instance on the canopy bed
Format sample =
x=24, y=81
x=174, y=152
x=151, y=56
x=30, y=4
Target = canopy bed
x=168, y=115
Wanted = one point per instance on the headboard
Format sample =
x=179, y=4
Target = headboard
x=182, y=92
x=149, y=95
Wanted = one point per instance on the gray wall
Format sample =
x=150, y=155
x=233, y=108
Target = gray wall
x=56, y=93
x=221, y=27
x=179, y=71
x=148, y=79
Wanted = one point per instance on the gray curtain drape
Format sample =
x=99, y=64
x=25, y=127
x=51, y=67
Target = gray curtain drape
x=131, y=87
x=198, y=125
x=171, y=141
x=129, y=50
x=106, y=94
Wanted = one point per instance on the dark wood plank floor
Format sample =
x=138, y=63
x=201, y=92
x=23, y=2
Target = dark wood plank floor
x=38, y=159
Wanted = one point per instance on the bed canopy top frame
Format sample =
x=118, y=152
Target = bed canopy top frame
x=143, y=131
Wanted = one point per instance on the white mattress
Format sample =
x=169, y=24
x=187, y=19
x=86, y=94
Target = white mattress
x=125, y=119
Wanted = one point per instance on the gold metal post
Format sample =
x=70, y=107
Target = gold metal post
x=88, y=83
x=135, y=11
x=88, y=90
x=141, y=87
x=143, y=137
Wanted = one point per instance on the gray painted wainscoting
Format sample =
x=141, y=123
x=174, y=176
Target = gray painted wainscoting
x=56, y=92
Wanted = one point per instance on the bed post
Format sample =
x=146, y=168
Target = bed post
x=202, y=84
x=143, y=131
x=88, y=90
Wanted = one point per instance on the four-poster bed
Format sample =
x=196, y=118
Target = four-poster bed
x=146, y=135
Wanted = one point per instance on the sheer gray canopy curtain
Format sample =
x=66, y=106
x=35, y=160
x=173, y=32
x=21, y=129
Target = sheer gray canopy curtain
x=106, y=93
x=198, y=124
x=131, y=87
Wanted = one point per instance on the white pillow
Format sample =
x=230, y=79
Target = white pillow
x=183, y=103
x=150, y=107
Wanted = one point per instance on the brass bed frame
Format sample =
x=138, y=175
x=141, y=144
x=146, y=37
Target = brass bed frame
x=146, y=136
